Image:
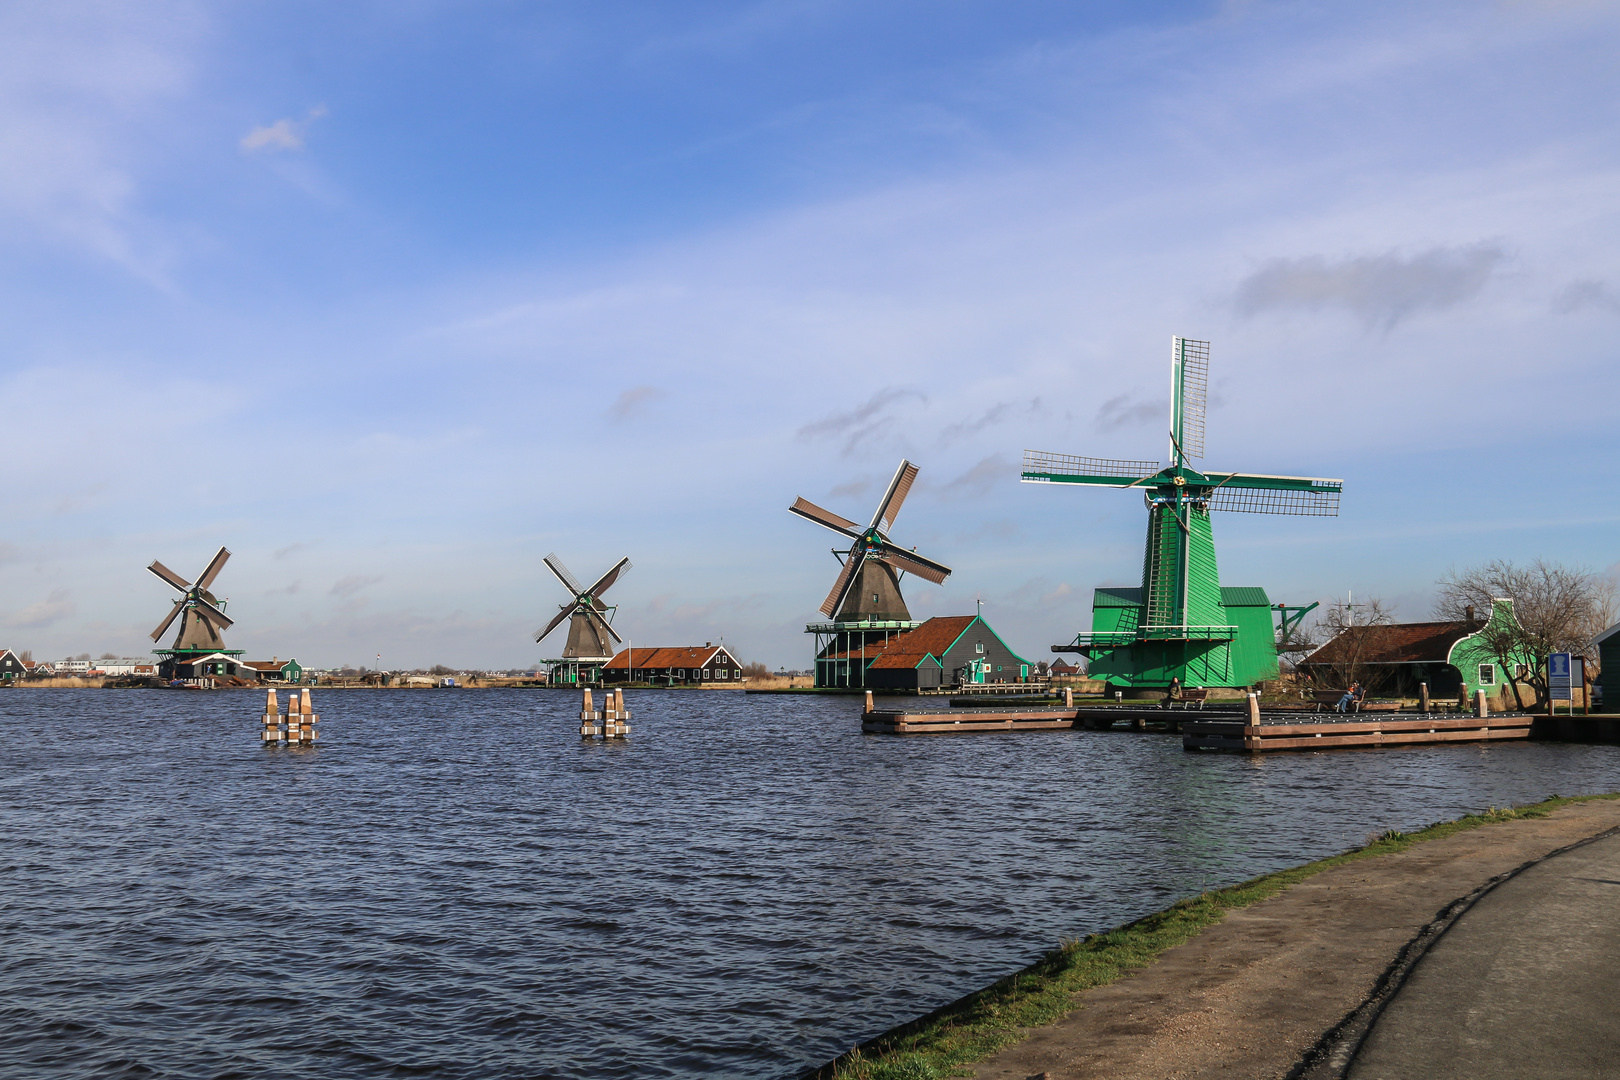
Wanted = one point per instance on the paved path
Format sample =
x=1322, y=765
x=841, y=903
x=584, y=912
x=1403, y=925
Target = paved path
x=1249, y=997
x=1525, y=984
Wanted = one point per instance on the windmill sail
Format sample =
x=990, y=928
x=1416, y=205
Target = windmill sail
x=1043, y=466
x=590, y=634
x=1296, y=496
x=1189, y=395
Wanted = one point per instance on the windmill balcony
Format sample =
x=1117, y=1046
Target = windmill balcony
x=1115, y=639
x=860, y=624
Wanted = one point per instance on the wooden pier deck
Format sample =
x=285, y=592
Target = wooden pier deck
x=1228, y=729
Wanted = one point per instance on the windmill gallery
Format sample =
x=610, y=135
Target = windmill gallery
x=1180, y=626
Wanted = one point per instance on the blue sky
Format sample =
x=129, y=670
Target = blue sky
x=393, y=299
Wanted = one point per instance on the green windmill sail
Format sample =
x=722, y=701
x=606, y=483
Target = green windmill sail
x=1181, y=624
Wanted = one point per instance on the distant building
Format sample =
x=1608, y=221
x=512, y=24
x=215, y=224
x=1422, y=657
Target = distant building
x=1063, y=667
x=12, y=667
x=952, y=650
x=124, y=665
x=683, y=665
x=277, y=670
x=71, y=666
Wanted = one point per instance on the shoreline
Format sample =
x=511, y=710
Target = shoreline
x=1277, y=965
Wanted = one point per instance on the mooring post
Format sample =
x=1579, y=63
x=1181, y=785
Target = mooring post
x=588, y=727
x=869, y=705
x=1423, y=695
x=617, y=728
x=1068, y=697
x=272, y=717
x=1251, y=725
x=1481, y=709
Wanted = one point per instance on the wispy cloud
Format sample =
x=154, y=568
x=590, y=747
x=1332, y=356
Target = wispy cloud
x=860, y=423
x=853, y=489
x=352, y=584
x=1124, y=411
x=41, y=614
x=284, y=134
x=632, y=401
x=981, y=478
x=1381, y=290
x=995, y=414
x=1581, y=295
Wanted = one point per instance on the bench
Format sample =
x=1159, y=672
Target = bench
x=1190, y=696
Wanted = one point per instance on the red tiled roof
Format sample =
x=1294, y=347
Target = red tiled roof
x=680, y=656
x=907, y=650
x=264, y=665
x=1397, y=643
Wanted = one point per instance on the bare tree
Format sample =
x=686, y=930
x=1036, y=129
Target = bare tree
x=756, y=670
x=1351, y=640
x=1557, y=609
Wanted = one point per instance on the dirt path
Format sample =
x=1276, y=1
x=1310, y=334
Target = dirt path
x=1250, y=996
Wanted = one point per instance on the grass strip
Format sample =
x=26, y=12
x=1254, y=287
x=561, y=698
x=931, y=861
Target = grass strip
x=974, y=1027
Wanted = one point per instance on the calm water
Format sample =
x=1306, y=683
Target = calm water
x=454, y=885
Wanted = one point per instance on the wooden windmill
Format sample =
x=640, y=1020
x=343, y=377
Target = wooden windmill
x=868, y=584
x=202, y=617
x=865, y=602
x=1181, y=624
x=591, y=637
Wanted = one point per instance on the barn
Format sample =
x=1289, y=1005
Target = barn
x=680, y=665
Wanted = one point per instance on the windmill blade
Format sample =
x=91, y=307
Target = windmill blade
x=1298, y=496
x=606, y=581
x=807, y=509
x=1042, y=466
x=215, y=565
x=555, y=565
x=845, y=582
x=170, y=576
x=179, y=605
x=556, y=620
x=899, y=487
x=1189, y=390
x=604, y=624
x=912, y=563
x=211, y=614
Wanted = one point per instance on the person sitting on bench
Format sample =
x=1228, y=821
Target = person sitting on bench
x=1174, y=693
x=1352, y=696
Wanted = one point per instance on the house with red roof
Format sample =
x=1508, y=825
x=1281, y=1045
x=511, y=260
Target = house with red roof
x=949, y=650
x=681, y=665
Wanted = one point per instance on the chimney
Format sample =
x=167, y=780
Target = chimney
x=708, y=644
x=1470, y=614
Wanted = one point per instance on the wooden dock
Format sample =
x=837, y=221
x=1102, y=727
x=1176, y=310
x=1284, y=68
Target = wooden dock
x=959, y=721
x=1390, y=730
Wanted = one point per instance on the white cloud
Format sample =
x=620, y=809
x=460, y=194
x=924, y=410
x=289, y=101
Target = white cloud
x=45, y=612
x=284, y=134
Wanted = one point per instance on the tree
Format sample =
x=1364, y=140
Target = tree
x=1556, y=608
x=1351, y=641
x=755, y=670
x=440, y=669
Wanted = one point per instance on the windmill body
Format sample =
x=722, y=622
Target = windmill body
x=865, y=606
x=199, y=644
x=1181, y=624
x=591, y=641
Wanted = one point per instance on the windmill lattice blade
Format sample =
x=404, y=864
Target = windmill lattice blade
x=211, y=614
x=889, y=508
x=1190, y=367
x=606, y=581
x=555, y=565
x=1297, y=502
x=912, y=563
x=179, y=605
x=846, y=580
x=215, y=565
x=807, y=509
x=556, y=621
x=170, y=576
x=1044, y=461
x=612, y=633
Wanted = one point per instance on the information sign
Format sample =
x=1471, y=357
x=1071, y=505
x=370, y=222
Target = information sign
x=1560, y=676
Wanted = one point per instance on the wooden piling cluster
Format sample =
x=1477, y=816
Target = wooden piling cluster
x=608, y=722
x=297, y=727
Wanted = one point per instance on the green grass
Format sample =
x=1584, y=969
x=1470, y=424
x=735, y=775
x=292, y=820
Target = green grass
x=970, y=1030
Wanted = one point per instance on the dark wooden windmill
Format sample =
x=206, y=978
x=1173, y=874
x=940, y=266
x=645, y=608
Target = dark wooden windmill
x=865, y=604
x=202, y=619
x=592, y=640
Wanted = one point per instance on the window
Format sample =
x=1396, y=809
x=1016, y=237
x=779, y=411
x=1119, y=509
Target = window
x=1487, y=674
x=979, y=648
x=680, y=673
x=703, y=674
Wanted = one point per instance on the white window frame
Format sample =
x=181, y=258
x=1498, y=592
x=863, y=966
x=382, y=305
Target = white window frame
x=979, y=647
x=1487, y=675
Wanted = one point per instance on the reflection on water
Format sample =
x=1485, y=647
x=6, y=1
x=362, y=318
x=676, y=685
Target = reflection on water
x=454, y=885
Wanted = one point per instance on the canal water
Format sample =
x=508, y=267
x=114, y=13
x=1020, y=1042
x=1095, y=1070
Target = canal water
x=454, y=885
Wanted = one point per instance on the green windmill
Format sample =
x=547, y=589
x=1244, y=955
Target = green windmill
x=1181, y=624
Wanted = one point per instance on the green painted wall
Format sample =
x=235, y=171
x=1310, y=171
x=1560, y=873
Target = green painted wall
x=1469, y=654
x=1250, y=658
